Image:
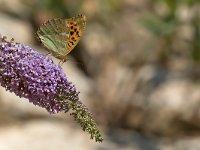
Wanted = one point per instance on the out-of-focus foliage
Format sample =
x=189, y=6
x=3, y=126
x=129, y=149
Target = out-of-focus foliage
x=166, y=22
x=134, y=66
x=161, y=27
x=60, y=8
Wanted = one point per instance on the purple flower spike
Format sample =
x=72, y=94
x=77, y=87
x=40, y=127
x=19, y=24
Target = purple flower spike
x=34, y=76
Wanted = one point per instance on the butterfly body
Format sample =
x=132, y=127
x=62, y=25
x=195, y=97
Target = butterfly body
x=60, y=36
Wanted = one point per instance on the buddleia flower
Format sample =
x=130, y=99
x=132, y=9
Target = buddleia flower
x=35, y=77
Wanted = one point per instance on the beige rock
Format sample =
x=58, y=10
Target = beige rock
x=149, y=99
x=16, y=7
x=44, y=135
x=20, y=30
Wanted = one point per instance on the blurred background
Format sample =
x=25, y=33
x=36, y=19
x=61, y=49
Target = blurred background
x=137, y=68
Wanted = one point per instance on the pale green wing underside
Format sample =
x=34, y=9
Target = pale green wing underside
x=54, y=35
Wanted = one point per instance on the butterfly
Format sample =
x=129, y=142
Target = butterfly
x=60, y=36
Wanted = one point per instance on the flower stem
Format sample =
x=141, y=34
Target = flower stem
x=84, y=118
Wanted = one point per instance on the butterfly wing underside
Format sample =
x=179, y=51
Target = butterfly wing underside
x=77, y=26
x=60, y=36
x=54, y=35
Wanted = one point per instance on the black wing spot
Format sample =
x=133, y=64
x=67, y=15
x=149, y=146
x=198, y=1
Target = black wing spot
x=71, y=42
x=73, y=39
x=71, y=32
x=77, y=32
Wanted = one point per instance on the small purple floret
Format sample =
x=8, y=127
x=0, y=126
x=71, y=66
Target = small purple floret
x=34, y=76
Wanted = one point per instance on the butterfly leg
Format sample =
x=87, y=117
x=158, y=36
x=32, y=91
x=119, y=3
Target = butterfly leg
x=61, y=63
x=48, y=53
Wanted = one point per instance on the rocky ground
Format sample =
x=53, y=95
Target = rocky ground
x=139, y=104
